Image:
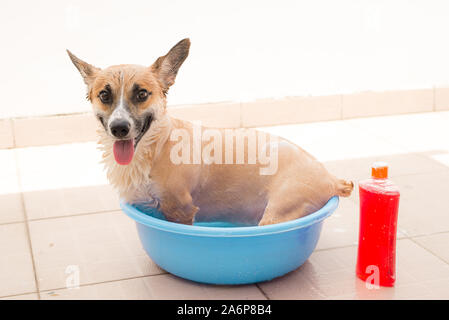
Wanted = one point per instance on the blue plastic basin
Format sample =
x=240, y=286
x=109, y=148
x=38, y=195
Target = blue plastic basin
x=220, y=253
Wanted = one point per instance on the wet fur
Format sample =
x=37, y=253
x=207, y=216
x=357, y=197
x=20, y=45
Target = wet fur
x=201, y=192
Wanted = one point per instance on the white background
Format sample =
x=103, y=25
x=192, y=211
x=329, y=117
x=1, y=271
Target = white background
x=241, y=50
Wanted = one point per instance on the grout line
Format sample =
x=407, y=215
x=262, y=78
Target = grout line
x=76, y=215
x=12, y=222
x=19, y=294
x=421, y=155
x=27, y=226
x=354, y=201
x=167, y=273
x=333, y=248
x=108, y=281
x=398, y=238
x=428, y=234
x=430, y=251
x=50, y=115
x=64, y=216
x=263, y=292
x=139, y=277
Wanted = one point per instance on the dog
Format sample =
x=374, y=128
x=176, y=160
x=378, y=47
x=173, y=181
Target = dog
x=138, y=139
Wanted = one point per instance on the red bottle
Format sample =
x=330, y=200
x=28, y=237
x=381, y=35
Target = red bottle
x=379, y=203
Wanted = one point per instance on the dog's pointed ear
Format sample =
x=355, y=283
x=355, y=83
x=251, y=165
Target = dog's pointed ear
x=166, y=67
x=88, y=72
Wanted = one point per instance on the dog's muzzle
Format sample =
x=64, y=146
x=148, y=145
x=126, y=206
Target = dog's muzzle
x=146, y=125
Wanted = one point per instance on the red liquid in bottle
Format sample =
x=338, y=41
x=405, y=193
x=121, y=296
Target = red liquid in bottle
x=379, y=203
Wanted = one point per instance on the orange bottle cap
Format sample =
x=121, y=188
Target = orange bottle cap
x=379, y=170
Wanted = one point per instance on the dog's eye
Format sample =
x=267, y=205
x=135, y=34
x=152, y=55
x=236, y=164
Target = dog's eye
x=104, y=96
x=142, y=95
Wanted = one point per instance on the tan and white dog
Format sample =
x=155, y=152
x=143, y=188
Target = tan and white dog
x=141, y=148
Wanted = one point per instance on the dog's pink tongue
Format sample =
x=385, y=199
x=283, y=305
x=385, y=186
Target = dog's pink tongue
x=123, y=151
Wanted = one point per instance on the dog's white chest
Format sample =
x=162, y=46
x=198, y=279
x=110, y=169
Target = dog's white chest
x=133, y=181
x=147, y=194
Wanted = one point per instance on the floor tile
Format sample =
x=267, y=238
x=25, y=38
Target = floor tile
x=6, y=134
x=207, y=114
x=437, y=244
x=16, y=267
x=29, y=296
x=10, y=198
x=390, y=102
x=341, y=228
x=330, y=274
x=437, y=289
x=58, y=181
x=112, y=265
x=166, y=287
x=336, y=140
x=441, y=98
x=55, y=129
x=440, y=157
x=130, y=289
x=60, y=166
x=422, y=132
x=401, y=164
x=290, y=110
x=422, y=207
x=419, y=212
x=12, y=208
x=92, y=248
x=172, y=287
x=70, y=201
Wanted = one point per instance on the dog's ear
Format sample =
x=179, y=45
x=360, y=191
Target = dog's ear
x=166, y=67
x=88, y=72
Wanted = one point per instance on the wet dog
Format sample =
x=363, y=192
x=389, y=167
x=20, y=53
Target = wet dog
x=192, y=173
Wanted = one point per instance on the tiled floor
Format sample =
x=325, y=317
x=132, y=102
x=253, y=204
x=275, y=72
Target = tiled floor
x=60, y=221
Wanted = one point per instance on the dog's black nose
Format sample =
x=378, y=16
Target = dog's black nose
x=120, y=128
